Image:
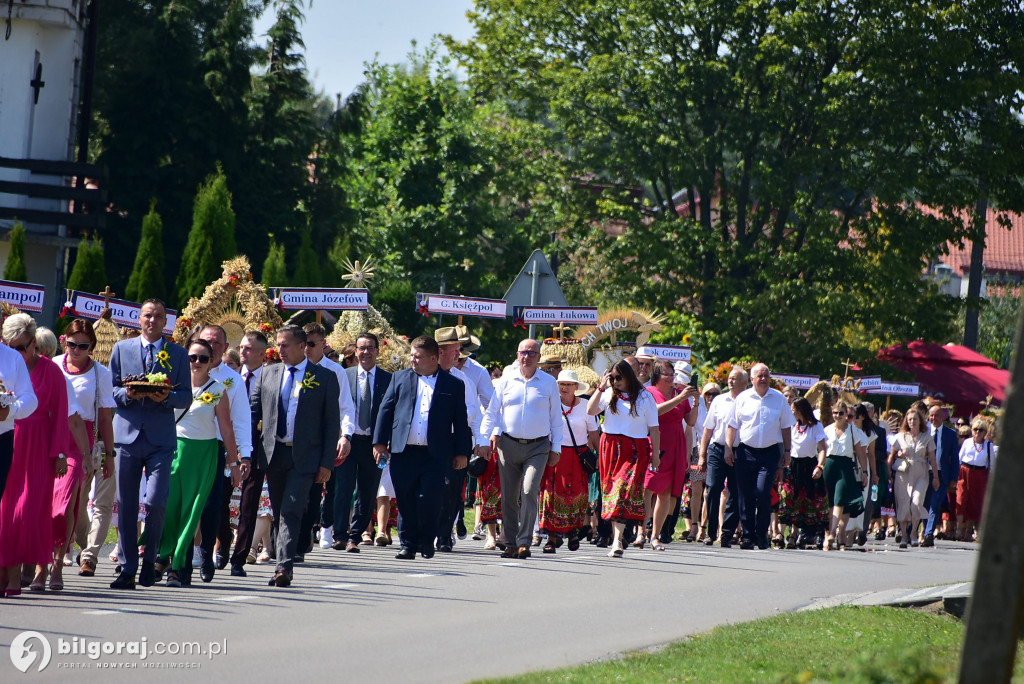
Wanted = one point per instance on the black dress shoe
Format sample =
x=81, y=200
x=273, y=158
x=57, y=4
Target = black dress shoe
x=206, y=570
x=281, y=578
x=406, y=554
x=428, y=553
x=147, y=575
x=709, y=542
x=123, y=581
x=237, y=570
x=929, y=540
x=220, y=560
x=444, y=548
x=299, y=558
x=747, y=545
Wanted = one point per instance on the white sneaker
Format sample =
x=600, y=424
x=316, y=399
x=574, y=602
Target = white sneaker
x=326, y=537
x=196, y=560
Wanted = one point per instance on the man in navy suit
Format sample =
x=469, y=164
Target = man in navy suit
x=357, y=471
x=144, y=437
x=947, y=448
x=423, y=426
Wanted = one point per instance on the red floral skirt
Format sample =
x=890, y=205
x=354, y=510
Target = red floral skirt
x=488, y=491
x=563, y=494
x=623, y=465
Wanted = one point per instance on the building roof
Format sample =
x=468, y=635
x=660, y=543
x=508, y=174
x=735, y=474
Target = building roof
x=1004, y=247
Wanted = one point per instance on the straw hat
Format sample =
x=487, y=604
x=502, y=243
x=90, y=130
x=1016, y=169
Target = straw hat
x=644, y=353
x=550, y=360
x=570, y=376
x=451, y=335
x=473, y=344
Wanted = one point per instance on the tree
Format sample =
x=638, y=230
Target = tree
x=759, y=165
x=997, y=320
x=307, y=264
x=147, y=278
x=89, y=273
x=274, y=274
x=210, y=242
x=15, y=267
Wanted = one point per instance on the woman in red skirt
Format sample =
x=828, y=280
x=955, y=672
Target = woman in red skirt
x=976, y=458
x=564, y=492
x=631, y=442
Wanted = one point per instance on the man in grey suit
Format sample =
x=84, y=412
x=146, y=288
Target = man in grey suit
x=295, y=408
x=357, y=470
x=144, y=438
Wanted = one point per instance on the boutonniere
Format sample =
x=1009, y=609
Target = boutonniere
x=207, y=398
x=164, y=358
x=309, y=381
x=229, y=383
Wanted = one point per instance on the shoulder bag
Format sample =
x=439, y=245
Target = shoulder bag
x=588, y=458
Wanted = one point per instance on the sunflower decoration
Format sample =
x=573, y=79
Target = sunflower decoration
x=164, y=358
x=309, y=382
x=359, y=273
x=209, y=399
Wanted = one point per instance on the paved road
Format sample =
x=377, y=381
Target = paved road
x=456, y=617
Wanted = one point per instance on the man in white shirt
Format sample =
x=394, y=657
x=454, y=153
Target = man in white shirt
x=712, y=457
x=449, y=342
x=524, y=421
x=253, y=350
x=215, y=525
x=761, y=420
x=315, y=338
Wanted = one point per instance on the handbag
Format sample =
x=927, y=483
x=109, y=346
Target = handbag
x=588, y=458
x=97, y=446
x=477, y=465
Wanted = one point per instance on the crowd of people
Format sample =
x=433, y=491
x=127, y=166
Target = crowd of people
x=207, y=456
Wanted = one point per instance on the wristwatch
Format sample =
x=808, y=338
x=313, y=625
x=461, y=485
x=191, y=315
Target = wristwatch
x=235, y=464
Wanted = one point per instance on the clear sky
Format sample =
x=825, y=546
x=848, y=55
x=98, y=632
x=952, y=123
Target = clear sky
x=341, y=35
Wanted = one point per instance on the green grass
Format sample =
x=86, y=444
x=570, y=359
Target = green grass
x=845, y=644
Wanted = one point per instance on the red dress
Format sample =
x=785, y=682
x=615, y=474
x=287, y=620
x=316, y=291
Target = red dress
x=565, y=488
x=26, y=521
x=674, y=464
x=488, y=491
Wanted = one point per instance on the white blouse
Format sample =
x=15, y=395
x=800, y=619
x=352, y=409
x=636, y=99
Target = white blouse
x=580, y=422
x=622, y=422
x=971, y=454
x=84, y=385
x=805, y=444
x=843, y=446
x=200, y=418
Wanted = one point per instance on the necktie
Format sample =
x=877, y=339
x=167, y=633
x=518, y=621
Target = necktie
x=248, y=382
x=364, y=404
x=286, y=400
x=150, y=357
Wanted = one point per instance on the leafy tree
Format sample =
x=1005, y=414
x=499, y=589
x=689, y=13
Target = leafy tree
x=758, y=165
x=274, y=274
x=211, y=240
x=147, y=279
x=89, y=273
x=997, y=321
x=15, y=267
x=307, y=264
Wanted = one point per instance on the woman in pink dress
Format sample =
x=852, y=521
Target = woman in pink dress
x=26, y=523
x=664, y=485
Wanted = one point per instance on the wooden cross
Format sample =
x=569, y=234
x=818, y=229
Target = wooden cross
x=38, y=82
x=560, y=330
x=107, y=294
x=848, y=364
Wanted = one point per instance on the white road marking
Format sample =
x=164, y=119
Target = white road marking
x=339, y=586
x=425, y=574
x=230, y=599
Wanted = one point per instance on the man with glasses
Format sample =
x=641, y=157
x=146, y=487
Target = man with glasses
x=524, y=421
x=947, y=448
x=712, y=457
x=315, y=345
x=366, y=384
x=215, y=525
x=761, y=419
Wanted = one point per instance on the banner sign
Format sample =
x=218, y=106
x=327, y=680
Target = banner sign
x=322, y=299
x=550, y=315
x=125, y=313
x=460, y=306
x=800, y=382
x=870, y=382
x=901, y=389
x=664, y=352
x=25, y=296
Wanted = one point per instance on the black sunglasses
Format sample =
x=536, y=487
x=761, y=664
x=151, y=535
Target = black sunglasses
x=614, y=378
x=23, y=347
x=83, y=346
x=199, y=358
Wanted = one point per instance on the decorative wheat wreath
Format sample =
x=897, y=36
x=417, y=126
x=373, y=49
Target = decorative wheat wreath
x=234, y=302
x=394, y=348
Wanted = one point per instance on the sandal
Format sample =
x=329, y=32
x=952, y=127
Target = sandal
x=616, y=551
x=656, y=545
x=549, y=547
x=639, y=543
x=173, y=579
x=574, y=543
x=489, y=545
x=56, y=583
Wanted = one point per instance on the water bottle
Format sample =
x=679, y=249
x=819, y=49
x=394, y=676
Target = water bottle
x=874, y=492
x=383, y=462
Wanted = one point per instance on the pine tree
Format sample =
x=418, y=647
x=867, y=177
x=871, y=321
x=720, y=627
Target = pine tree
x=274, y=274
x=307, y=264
x=15, y=268
x=211, y=240
x=147, y=279
x=90, y=272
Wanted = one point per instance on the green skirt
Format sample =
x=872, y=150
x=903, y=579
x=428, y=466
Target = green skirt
x=842, y=486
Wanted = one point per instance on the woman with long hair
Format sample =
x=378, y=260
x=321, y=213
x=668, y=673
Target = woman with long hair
x=804, y=504
x=856, y=530
x=40, y=445
x=846, y=445
x=195, y=463
x=663, y=487
x=630, y=444
x=977, y=455
x=913, y=452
